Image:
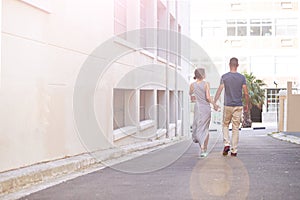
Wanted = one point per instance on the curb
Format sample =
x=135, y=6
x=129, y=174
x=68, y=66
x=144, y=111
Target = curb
x=257, y=128
x=16, y=180
x=284, y=137
x=249, y=129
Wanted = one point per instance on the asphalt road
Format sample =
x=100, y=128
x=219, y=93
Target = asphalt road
x=265, y=168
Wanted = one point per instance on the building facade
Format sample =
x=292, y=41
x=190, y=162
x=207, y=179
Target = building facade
x=140, y=95
x=263, y=35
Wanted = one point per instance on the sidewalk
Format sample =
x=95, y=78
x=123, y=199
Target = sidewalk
x=16, y=180
x=289, y=137
x=284, y=136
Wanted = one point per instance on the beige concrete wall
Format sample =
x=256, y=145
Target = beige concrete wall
x=289, y=111
x=282, y=101
x=42, y=53
x=293, y=110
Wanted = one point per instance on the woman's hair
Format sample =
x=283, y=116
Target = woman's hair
x=199, y=73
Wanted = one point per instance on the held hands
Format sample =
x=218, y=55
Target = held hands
x=193, y=98
x=216, y=107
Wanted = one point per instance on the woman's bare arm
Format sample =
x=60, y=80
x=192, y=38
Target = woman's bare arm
x=208, y=97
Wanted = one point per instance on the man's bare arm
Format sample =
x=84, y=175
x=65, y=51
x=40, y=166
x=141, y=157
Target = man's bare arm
x=218, y=93
x=246, y=95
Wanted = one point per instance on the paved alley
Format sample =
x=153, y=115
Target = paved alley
x=265, y=168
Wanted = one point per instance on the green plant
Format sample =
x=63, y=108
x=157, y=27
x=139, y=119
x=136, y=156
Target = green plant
x=256, y=96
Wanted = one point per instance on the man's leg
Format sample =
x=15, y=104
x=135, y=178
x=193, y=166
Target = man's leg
x=236, y=119
x=227, y=115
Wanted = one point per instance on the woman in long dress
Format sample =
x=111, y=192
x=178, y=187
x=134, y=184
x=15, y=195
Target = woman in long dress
x=200, y=94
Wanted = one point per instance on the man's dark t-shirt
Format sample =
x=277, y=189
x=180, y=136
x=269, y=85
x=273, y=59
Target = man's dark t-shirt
x=233, y=84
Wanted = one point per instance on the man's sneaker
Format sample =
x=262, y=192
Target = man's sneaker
x=233, y=154
x=226, y=150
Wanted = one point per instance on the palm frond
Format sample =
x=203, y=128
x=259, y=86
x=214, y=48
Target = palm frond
x=255, y=89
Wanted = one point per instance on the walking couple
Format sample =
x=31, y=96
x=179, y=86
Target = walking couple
x=234, y=84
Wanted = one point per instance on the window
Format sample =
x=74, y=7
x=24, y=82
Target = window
x=119, y=105
x=260, y=27
x=179, y=45
x=120, y=17
x=143, y=21
x=272, y=99
x=146, y=104
x=161, y=109
x=286, y=27
x=142, y=106
x=237, y=27
x=172, y=102
x=287, y=42
x=211, y=28
x=147, y=38
x=255, y=28
x=180, y=106
x=173, y=40
x=124, y=107
x=286, y=5
x=143, y=13
x=161, y=24
x=161, y=16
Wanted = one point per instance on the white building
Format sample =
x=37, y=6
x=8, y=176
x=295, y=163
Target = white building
x=263, y=35
x=50, y=97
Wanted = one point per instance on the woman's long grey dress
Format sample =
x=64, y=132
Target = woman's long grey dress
x=202, y=114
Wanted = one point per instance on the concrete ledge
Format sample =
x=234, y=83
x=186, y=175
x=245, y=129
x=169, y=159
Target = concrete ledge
x=146, y=124
x=160, y=132
x=15, y=180
x=24, y=177
x=124, y=132
x=284, y=137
